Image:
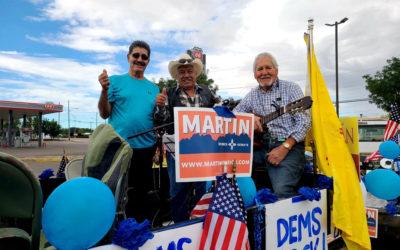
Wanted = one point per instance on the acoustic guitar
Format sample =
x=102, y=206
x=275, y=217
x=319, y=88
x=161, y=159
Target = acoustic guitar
x=299, y=105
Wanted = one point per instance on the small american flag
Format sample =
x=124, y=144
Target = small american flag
x=225, y=224
x=393, y=123
x=239, y=196
x=61, y=168
x=392, y=127
x=201, y=207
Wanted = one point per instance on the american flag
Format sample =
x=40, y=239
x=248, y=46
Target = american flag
x=61, y=168
x=391, y=130
x=201, y=207
x=225, y=224
x=239, y=196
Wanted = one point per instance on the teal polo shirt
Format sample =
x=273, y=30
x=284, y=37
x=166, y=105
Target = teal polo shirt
x=133, y=105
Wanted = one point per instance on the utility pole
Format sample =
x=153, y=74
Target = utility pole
x=59, y=116
x=69, y=128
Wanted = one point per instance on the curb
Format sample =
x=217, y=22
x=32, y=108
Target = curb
x=49, y=159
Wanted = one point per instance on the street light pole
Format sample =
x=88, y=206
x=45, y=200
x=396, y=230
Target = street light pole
x=336, y=59
x=69, y=128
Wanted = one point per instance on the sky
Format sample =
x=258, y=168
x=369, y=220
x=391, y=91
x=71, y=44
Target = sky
x=53, y=51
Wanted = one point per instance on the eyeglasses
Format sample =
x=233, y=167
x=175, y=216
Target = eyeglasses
x=144, y=56
x=183, y=61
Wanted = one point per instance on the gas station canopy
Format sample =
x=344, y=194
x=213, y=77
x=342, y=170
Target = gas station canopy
x=11, y=111
x=20, y=109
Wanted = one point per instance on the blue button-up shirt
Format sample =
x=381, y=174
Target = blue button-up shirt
x=259, y=102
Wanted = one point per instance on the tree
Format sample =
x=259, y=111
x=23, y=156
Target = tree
x=166, y=83
x=51, y=128
x=33, y=122
x=384, y=87
x=201, y=79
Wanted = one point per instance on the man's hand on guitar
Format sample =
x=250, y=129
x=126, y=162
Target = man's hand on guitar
x=277, y=155
x=257, y=124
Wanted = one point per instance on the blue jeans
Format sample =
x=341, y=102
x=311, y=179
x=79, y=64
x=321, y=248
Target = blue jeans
x=286, y=176
x=179, y=193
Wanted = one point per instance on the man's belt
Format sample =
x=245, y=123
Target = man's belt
x=275, y=140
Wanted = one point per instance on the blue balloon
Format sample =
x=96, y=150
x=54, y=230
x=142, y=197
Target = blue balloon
x=78, y=213
x=208, y=185
x=389, y=150
x=383, y=183
x=247, y=189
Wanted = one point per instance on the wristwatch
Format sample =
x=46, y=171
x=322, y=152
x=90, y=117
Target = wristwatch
x=286, y=145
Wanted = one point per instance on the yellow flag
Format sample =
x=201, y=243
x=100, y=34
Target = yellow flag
x=335, y=160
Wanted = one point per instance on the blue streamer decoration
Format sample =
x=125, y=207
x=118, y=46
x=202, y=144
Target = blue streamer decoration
x=224, y=111
x=265, y=196
x=258, y=221
x=325, y=182
x=132, y=235
x=308, y=168
x=46, y=174
x=391, y=208
x=310, y=193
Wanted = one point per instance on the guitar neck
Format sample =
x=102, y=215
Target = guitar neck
x=272, y=116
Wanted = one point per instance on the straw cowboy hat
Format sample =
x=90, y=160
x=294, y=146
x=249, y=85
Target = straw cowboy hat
x=185, y=59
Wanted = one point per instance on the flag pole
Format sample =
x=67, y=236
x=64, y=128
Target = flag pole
x=310, y=48
x=310, y=55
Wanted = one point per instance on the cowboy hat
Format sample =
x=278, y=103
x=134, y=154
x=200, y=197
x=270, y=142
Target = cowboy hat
x=185, y=59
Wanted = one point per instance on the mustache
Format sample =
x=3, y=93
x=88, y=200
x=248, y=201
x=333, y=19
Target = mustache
x=140, y=63
x=187, y=78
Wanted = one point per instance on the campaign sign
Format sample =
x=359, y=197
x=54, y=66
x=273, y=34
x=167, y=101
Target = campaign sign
x=207, y=145
x=297, y=223
x=372, y=222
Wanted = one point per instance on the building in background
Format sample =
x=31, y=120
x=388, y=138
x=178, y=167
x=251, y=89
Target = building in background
x=370, y=135
x=197, y=52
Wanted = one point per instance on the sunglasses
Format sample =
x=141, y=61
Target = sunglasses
x=144, y=56
x=183, y=61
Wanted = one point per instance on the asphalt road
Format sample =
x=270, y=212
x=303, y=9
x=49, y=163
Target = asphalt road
x=49, y=156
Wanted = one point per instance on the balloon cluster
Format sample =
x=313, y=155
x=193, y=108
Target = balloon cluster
x=385, y=183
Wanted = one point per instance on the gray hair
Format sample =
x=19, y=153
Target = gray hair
x=262, y=55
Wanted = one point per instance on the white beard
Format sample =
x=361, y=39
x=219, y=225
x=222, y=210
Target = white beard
x=267, y=84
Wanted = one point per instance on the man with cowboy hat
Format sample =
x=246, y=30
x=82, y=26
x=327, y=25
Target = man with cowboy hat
x=187, y=94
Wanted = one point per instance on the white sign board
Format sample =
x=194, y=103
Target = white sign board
x=293, y=223
x=297, y=223
x=182, y=237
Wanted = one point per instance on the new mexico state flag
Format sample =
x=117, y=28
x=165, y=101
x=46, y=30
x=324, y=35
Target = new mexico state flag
x=335, y=160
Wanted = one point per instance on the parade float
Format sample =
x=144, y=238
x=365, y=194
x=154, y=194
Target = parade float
x=216, y=145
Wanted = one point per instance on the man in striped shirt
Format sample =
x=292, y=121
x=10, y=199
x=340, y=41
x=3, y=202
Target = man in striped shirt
x=282, y=146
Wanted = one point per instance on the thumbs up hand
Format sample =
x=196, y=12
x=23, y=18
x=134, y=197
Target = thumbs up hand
x=161, y=98
x=103, y=79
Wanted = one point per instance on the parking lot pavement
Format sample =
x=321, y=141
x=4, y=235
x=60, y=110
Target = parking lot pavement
x=49, y=156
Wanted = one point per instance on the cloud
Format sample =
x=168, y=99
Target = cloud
x=231, y=33
x=51, y=79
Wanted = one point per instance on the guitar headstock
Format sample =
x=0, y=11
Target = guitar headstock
x=298, y=105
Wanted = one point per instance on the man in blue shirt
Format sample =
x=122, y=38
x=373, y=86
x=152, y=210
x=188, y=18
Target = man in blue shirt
x=128, y=102
x=282, y=150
